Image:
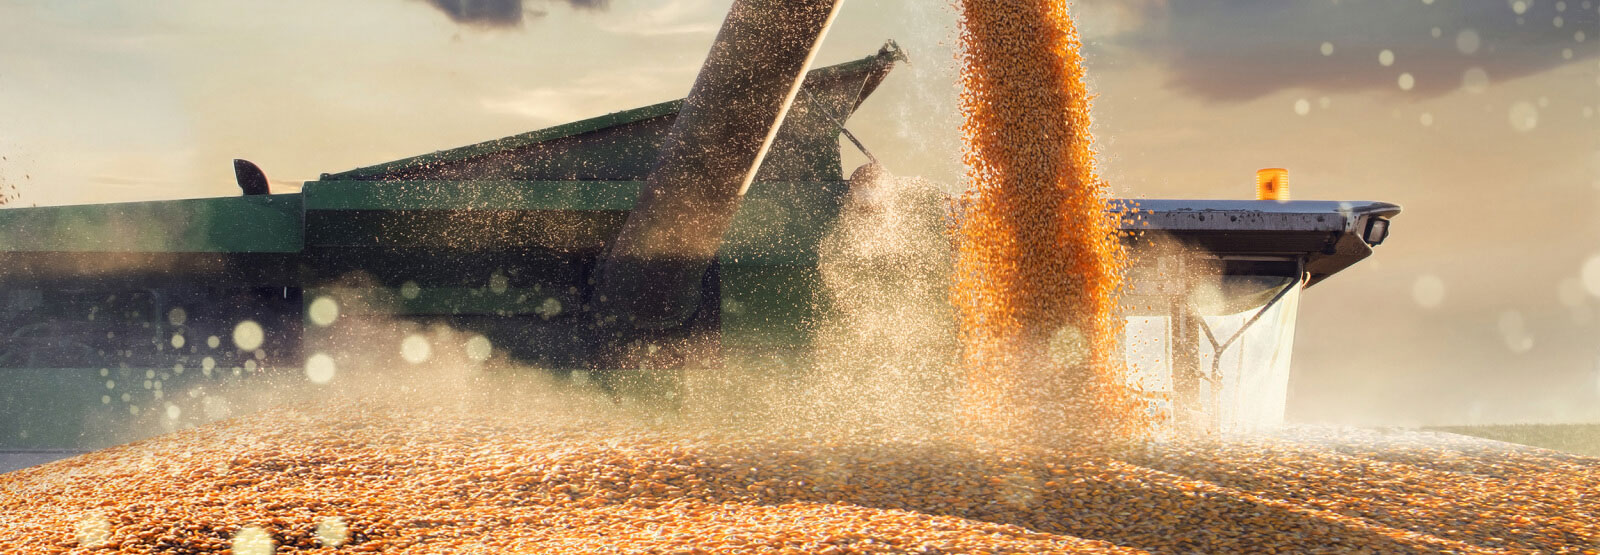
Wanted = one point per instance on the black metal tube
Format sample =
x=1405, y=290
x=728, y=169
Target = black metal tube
x=651, y=275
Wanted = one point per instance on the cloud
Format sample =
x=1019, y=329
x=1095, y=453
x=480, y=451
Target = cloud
x=502, y=13
x=1238, y=50
x=669, y=17
x=593, y=94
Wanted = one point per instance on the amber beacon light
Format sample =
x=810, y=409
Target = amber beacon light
x=1272, y=184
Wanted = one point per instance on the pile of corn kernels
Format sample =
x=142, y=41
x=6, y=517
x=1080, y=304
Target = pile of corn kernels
x=359, y=477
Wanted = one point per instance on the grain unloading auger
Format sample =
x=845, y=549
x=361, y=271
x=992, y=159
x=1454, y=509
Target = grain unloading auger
x=683, y=234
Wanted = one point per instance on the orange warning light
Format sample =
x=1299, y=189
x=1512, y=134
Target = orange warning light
x=1272, y=184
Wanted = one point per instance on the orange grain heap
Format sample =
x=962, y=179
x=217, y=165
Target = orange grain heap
x=1040, y=262
x=532, y=476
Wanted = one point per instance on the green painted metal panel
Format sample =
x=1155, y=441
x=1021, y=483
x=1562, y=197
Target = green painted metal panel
x=471, y=195
x=513, y=142
x=253, y=224
x=777, y=223
x=511, y=301
x=782, y=223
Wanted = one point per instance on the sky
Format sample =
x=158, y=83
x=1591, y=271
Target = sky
x=1478, y=116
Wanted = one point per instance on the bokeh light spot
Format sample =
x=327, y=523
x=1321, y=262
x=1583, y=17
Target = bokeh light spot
x=1524, y=116
x=415, y=349
x=1386, y=58
x=1468, y=41
x=479, y=348
x=552, y=307
x=93, y=531
x=323, y=311
x=1513, y=328
x=332, y=532
x=248, y=335
x=1428, y=291
x=320, y=368
x=1475, y=80
x=1302, y=106
x=498, y=283
x=1591, y=275
x=251, y=540
x=1407, y=81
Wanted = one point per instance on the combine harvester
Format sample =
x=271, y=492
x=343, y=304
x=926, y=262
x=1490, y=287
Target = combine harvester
x=627, y=246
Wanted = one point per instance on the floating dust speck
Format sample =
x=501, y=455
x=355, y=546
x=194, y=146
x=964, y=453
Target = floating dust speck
x=410, y=290
x=1407, y=81
x=177, y=341
x=177, y=316
x=1302, y=107
x=1327, y=49
x=1386, y=58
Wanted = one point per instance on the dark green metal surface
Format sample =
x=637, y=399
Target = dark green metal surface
x=778, y=223
x=255, y=224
